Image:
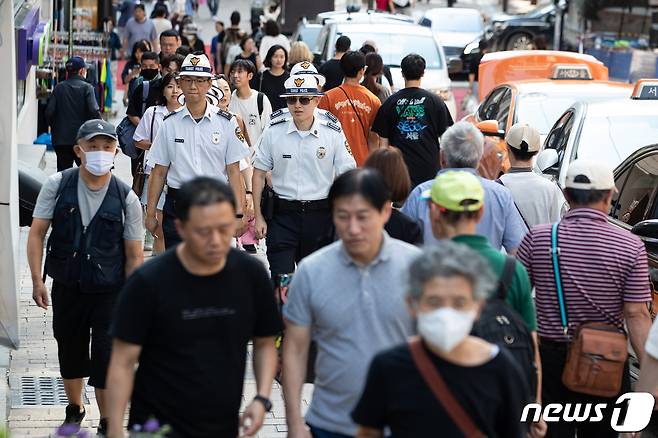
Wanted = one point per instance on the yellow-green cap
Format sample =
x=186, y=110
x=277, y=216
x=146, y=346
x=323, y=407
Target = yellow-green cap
x=456, y=190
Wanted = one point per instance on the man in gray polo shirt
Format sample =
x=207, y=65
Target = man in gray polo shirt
x=349, y=298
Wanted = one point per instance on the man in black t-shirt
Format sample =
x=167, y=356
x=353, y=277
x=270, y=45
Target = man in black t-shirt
x=331, y=69
x=412, y=120
x=187, y=318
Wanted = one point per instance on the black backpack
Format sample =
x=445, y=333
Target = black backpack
x=500, y=324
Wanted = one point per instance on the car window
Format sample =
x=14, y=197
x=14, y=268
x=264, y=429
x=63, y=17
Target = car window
x=559, y=136
x=449, y=22
x=637, y=192
x=393, y=47
x=489, y=108
x=503, y=109
x=309, y=35
x=321, y=41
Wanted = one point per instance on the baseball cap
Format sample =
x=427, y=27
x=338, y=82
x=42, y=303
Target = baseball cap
x=301, y=85
x=523, y=137
x=196, y=65
x=456, y=190
x=587, y=174
x=307, y=68
x=96, y=127
x=75, y=63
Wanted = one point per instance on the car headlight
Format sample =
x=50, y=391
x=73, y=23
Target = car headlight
x=472, y=46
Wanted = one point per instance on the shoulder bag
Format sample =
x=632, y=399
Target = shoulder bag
x=140, y=175
x=441, y=391
x=597, y=354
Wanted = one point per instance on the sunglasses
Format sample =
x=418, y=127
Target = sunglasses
x=303, y=100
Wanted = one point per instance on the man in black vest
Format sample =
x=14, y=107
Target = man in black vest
x=95, y=243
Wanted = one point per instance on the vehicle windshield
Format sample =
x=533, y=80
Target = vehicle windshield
x=612, y=139
x=309, y=35
x=393, y=48
x=540, y=110
x=456, y=23
x=542, y=10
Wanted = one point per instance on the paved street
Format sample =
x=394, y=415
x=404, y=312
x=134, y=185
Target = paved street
x=37, y=398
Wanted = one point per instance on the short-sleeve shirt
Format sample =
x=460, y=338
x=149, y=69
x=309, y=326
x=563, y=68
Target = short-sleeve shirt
x=194, y=148
x=303, y=163
x=356, y=108
x=519, y=293
x=247, y=108
x=412, y=120
x=89, y=202
x=353, y=313
x=333, y=73
x=137, y=31
x=194, y=332
x=492, y=394
x=501, y=222
x=148, y=128
x=601, y=267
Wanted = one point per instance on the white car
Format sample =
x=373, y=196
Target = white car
x=394, y=41
x=608, y=131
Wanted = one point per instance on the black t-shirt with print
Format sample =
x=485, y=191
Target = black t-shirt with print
x=395, y=395
x=194, y=332
x=273, y=87
x=412, y=120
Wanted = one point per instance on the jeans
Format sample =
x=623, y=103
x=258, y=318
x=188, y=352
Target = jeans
x=321, y=433
x=213, y=6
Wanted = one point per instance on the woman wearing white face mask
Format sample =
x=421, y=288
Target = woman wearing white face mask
x=448, y=286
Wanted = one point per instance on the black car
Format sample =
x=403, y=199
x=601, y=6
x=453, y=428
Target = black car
x=517, y=32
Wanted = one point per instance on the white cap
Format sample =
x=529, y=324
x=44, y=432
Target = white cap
x=587, y=174
x=523, y=137
x=301, y=85
x=196, y=65
x=307, y=68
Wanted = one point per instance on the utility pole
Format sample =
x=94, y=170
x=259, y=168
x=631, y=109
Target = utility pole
x=560, y=8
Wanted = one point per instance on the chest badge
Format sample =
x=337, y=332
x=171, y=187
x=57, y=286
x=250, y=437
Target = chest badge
x=322, y=152
x=215, y=137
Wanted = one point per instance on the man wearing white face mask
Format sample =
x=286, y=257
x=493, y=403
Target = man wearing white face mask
x=95, y=243
x=482, y=390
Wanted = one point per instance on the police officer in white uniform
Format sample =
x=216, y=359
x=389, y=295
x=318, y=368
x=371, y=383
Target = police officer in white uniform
x=197, y=140
x=304, y=153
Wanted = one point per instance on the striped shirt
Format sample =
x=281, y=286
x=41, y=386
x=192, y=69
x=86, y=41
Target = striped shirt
x=601, y=267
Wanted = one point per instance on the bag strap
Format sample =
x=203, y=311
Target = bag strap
x=505, y=280
x=259, y=102
x=555, y=252
x=146, y=87
x=355, y=112
x=441, y=391
x=500, y=181
x=152, y=120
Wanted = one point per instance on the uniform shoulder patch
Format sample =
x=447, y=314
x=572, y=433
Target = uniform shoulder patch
x=278, y=122
x=279, y=112
x=334, y=126
x=227, y=115
x=330, y=116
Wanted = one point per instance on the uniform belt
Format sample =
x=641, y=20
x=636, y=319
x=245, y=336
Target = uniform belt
x=285, y=205
x=553, y=344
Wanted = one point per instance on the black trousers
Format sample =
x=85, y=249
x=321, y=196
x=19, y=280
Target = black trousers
x=171, y=237
x=553, y=358
x=292, y=235
x=77, y=319
x=65, y=157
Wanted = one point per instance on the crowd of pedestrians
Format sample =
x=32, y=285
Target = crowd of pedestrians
x=404, y=261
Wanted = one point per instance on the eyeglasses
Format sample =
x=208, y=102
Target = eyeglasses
x=189, y=81
x=303, y=100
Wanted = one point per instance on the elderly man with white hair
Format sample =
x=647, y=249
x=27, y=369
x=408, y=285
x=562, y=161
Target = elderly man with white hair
x=462, y=147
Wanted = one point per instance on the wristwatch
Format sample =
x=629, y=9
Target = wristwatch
x=239, y=216
x=265, y=401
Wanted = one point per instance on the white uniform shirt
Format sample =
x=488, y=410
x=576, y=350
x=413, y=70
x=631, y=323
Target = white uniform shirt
x=193, y=149
x=303, y=164
x=152, y=117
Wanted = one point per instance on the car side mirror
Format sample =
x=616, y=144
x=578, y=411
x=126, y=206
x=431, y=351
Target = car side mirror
x=455, y=65
x=647, y=229
x=547, y=159
x=490, y=127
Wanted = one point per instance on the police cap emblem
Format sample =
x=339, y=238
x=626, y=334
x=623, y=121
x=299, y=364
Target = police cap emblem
x=306, y=64
x=322, y=152
x=299, y=82
x=195, y=61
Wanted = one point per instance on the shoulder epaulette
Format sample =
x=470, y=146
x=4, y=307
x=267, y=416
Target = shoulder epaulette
x=227, y=115
x=333, y=126
x=277, y=122
x=278, y=113
x=330, y=116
